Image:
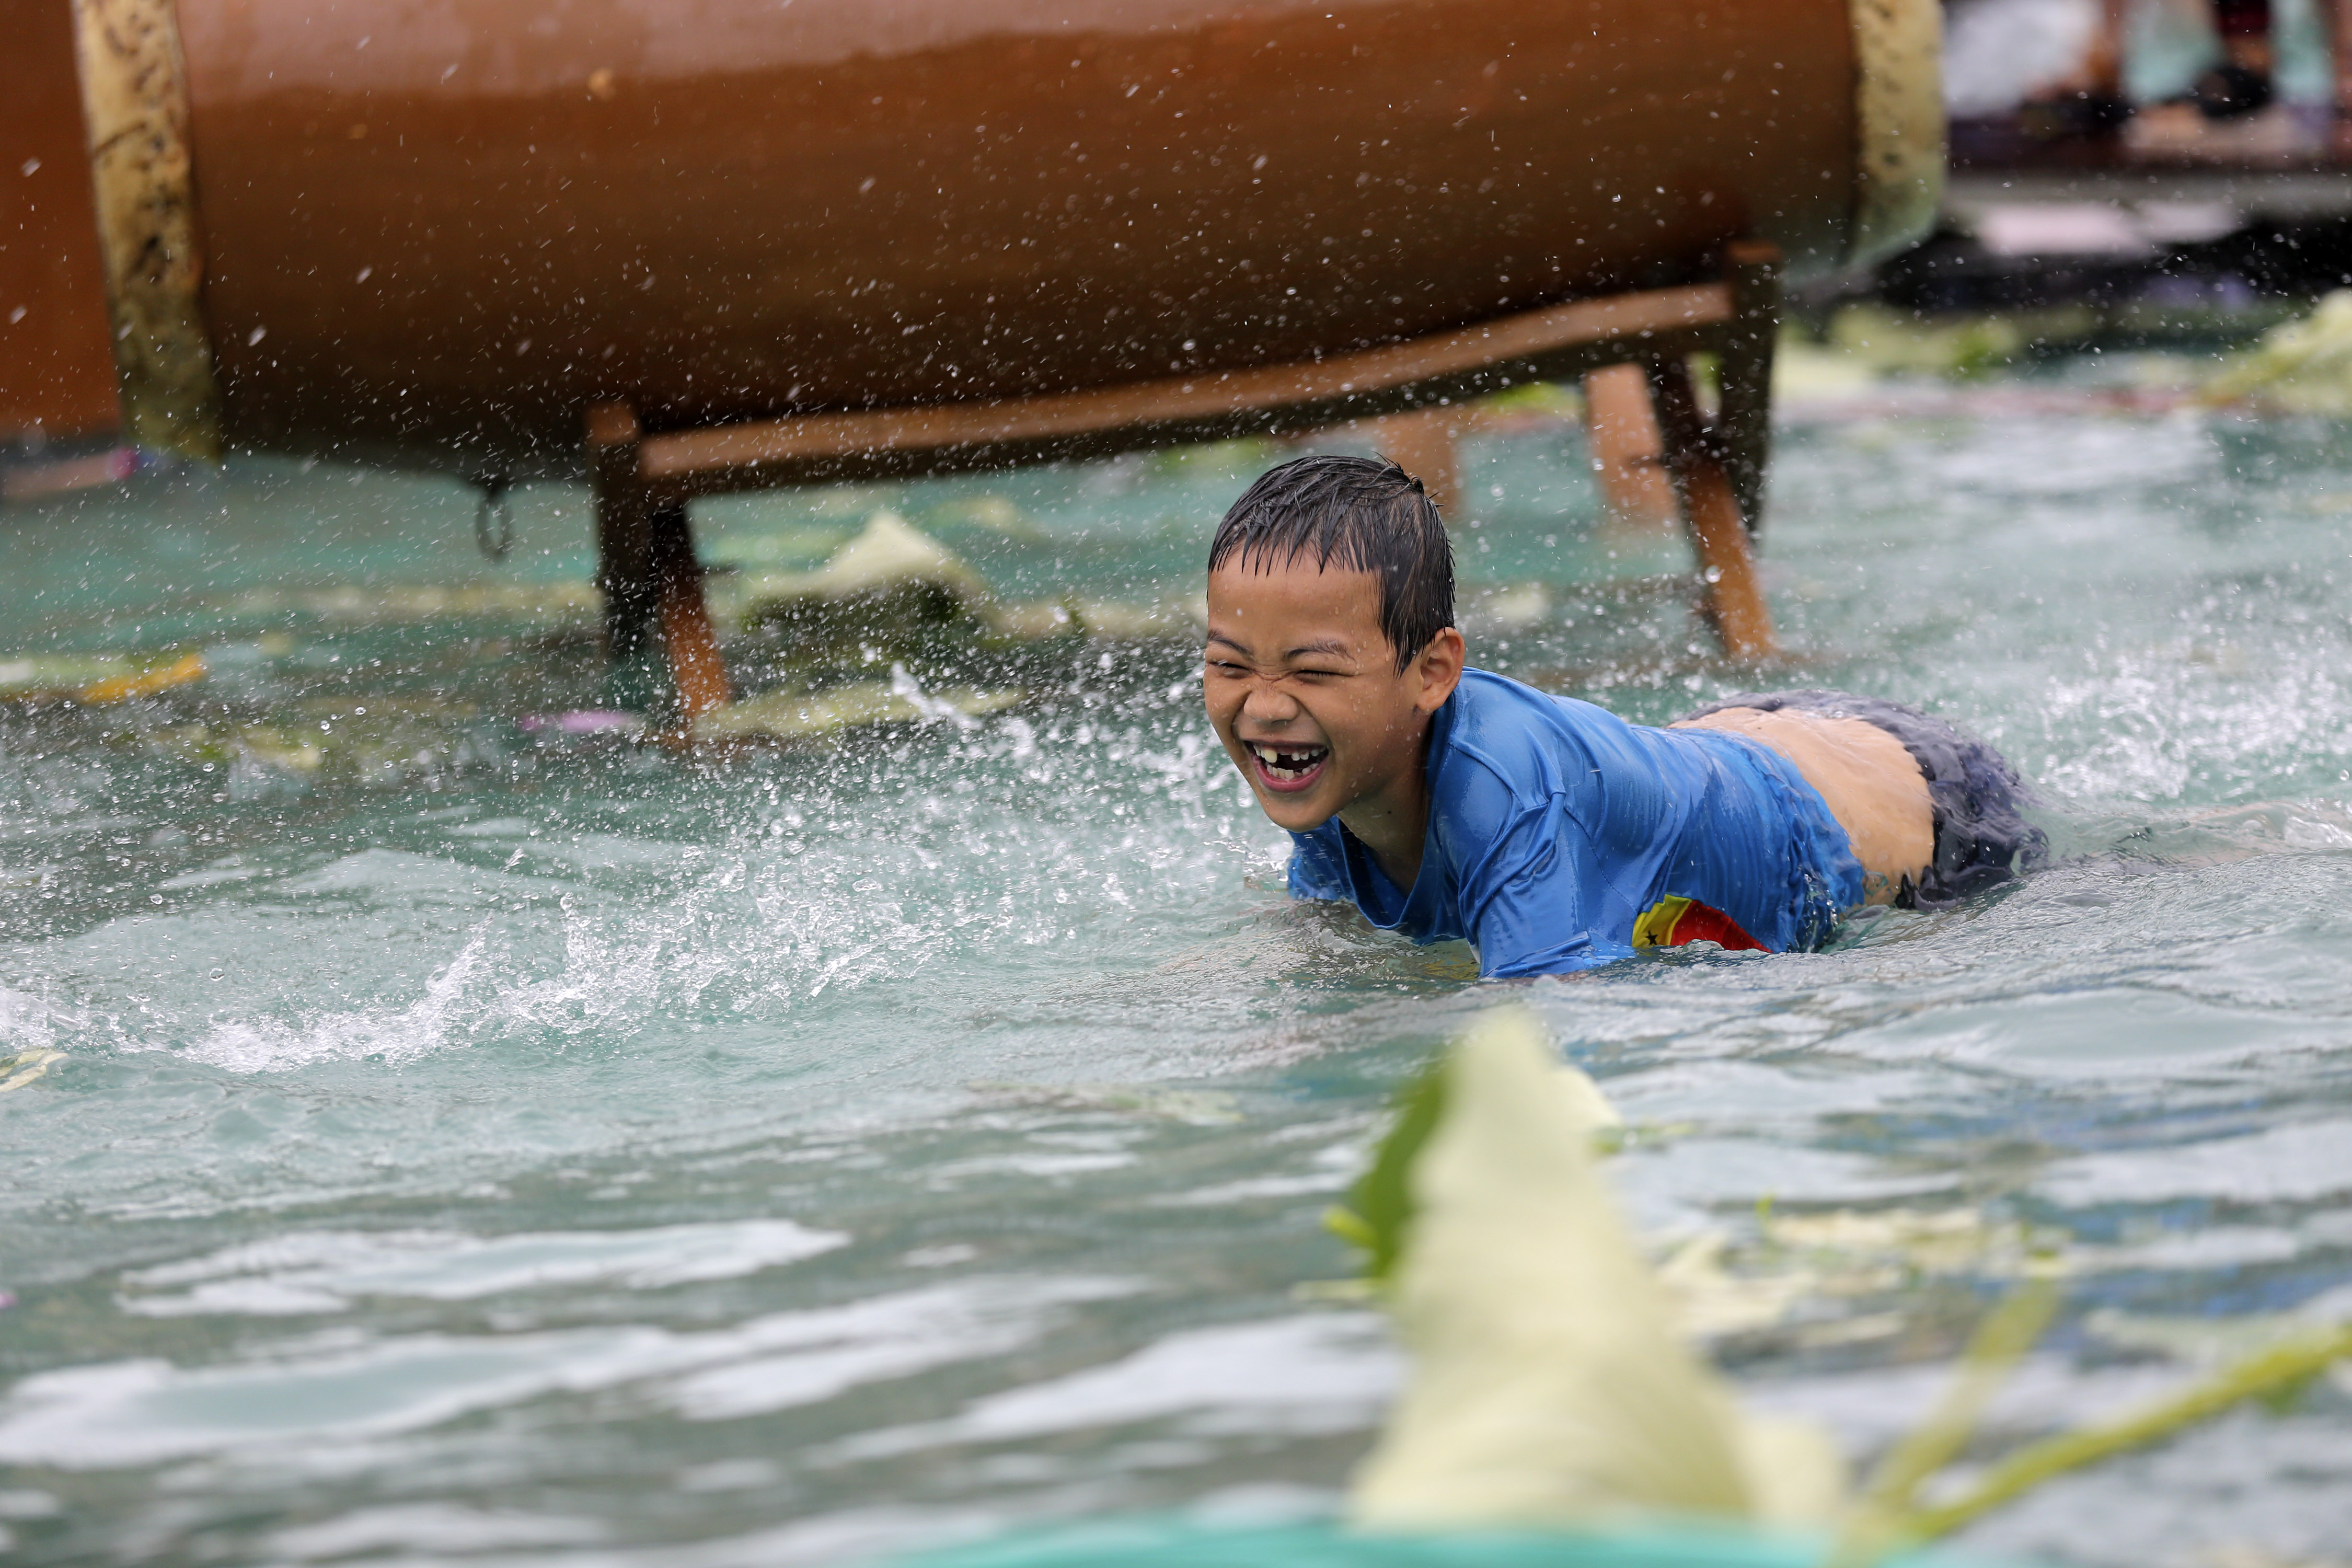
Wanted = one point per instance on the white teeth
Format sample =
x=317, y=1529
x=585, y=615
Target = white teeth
x=1288, y=762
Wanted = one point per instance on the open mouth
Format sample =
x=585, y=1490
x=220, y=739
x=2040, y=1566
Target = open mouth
x=1287, y=767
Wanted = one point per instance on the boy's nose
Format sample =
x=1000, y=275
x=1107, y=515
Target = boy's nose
x=1268, y=703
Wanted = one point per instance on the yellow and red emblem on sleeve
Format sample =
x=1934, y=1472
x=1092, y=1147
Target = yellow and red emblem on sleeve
x=1672, y=922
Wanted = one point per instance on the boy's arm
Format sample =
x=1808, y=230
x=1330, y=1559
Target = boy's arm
x=1528, y=902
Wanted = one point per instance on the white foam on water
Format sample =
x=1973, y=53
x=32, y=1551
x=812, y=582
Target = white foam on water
x=432, y=1528
x=33, y=1023
x=1687, y=1177
x=767, y=929
x=1308, y=1374
x=823, y=1353
x=325, y=1271
x=2117, y=1031
x=1869, y=1410
x=2034, y=459
x=113, y=1415
x=2154, y=735
x=2247, y=1488
x=229, y=869
x=494, y=827
x=2304, y=1162
x=394, y=1035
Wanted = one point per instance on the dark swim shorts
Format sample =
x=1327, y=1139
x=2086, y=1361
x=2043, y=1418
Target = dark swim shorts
x=1981, y=838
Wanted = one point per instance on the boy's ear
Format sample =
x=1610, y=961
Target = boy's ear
x=1439, y=665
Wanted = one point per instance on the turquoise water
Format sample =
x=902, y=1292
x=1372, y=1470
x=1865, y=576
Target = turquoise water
x=477, y=1145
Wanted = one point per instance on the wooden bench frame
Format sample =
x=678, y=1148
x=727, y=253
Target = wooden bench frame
x=653, y=584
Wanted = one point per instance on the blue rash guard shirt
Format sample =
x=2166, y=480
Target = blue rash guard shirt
x=1560, y=837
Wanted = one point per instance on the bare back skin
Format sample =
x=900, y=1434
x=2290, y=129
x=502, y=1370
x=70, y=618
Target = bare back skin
x=1870, y=782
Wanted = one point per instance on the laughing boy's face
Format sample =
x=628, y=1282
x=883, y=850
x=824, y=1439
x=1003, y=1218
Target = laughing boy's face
x=1304, y=689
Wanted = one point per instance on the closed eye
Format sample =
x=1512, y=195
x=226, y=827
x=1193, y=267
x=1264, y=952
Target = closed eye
x=1311, y=672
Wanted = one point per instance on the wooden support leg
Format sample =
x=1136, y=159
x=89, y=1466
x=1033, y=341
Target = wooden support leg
x=695, y=671
x=647, y=572
x=1620, y=429
x=1711, y=512
x=1744, y=427
x=1422, y=444
x=624, y=532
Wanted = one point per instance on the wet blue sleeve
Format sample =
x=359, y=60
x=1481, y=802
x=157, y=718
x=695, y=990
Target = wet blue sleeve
x=1530, y=904
x=1314, y=869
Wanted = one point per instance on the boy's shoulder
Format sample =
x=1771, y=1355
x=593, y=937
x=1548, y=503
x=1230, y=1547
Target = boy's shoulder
x=1500, y=732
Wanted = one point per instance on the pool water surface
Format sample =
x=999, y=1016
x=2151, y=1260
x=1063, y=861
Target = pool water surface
x=473, y=1143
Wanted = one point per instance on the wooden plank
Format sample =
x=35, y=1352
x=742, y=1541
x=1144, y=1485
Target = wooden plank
x=1561, y=339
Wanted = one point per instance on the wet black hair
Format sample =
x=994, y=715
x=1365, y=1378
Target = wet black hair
x=1365, y=513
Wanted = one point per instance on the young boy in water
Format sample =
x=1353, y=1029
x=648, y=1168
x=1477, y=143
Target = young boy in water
x=1550, y=834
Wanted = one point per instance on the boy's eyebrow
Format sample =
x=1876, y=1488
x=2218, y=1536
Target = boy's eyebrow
x=1335, y=646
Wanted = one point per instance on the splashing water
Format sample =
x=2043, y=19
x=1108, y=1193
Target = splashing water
x=482, y=1142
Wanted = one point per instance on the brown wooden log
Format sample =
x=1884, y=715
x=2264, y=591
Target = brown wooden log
x=442, y=241
x=437, y=240
x=56, y=364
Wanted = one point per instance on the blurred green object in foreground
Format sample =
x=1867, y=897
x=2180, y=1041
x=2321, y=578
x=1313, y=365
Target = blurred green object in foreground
x=2303, y=368
x=1552, y=1416
x=1169, y=1543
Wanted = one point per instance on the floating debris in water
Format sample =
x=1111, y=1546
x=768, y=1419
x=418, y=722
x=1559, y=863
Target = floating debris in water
x=803, y=715
x=583, y=721
x=383, y=741
x=96, y=680
x=22, y=1069
x=2301, y=367
x=1193, y=1107
x=896, y=591
x=1799, y=1264
x=2212, y=1341
x=888, y=587
x=566, y=601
